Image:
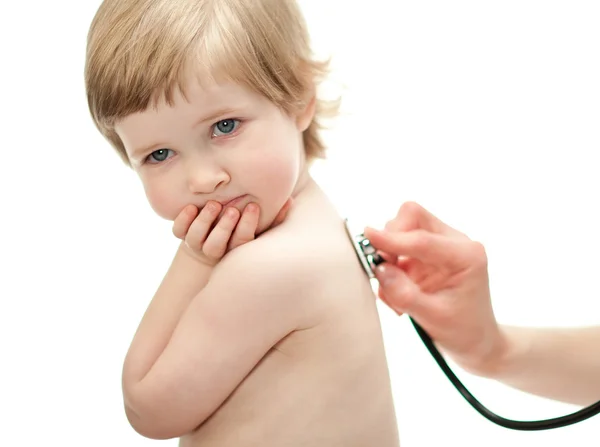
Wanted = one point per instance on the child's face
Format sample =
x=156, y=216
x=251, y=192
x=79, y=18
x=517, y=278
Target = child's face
x=224, y=143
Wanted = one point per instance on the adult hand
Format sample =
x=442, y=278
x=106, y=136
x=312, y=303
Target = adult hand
x=439, y=277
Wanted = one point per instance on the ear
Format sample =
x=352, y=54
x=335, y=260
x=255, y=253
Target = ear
x=306, y=116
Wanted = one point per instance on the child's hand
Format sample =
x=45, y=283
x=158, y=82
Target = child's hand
x=207, y=241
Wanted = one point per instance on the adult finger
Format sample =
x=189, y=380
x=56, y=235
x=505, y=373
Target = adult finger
x=398, y=291
x=412, y=216
x=427, y=247
x=386, y=300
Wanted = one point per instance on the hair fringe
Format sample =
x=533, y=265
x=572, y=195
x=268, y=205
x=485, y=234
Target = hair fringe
x=140, y=52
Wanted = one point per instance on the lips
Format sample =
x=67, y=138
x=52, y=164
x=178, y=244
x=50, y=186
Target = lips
x=232, y=202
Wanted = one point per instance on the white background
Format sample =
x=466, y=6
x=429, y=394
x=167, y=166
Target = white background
x=487, y=113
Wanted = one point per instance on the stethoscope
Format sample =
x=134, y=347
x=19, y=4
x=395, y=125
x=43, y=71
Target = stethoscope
x=369, y=258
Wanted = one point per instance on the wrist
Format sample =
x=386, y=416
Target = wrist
x=197, y=260
x=502, y=356
x=191, y=270
x=485, y=358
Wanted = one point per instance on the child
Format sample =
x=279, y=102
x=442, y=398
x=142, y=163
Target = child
x=277, y=342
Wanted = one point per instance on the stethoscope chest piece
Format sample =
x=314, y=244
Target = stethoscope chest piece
x=368, y=256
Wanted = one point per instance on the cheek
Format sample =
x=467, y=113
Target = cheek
x=161, y=200
x=272, y=181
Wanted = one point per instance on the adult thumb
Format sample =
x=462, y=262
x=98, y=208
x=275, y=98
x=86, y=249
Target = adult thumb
x=397, y=290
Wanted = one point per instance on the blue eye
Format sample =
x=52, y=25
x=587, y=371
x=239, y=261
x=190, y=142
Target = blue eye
x=225, y=127
x=159, y=155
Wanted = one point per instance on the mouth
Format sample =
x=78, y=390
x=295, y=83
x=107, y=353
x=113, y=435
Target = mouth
x=233, y=201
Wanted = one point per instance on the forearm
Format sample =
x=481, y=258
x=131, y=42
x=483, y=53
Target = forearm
x=560, y=364
x=222, y=335
x=184, y=279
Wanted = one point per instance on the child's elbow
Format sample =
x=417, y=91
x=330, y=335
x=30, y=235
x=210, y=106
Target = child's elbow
x=155, y=427
x=155, y=423
x=142, y=427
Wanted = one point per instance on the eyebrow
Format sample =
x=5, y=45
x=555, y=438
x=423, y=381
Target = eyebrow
x=219, y=113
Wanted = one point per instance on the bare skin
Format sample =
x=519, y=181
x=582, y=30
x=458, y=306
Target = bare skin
x=328, y=383
x=439, y=277
x=323, y=380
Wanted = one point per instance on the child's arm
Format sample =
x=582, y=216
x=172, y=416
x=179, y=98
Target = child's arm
x=248, y=305
x=184, y=279
x=201, y=247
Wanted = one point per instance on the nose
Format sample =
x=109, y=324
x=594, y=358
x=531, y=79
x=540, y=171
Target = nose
x=204, y=175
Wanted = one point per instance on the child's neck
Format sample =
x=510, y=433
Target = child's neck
x=305, y=181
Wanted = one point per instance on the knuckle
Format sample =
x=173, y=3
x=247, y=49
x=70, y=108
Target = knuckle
x=227, y=222
x=209, y=212
x=404, y=293
x=192, y=240
x=206, y=217
x=180, y=231
x=478, y=254
x=410, y=207
x=199, y=231
x=176, y=232
x=217, y=244
x=177, y=228
x=243, y=240
x=421, y=239
x=402, y=297
x=210, y=251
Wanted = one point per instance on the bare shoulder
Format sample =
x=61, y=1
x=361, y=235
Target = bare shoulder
x=305, y=266
x=272, y=275
x=311, y=253
x=279, y=259
x=282, y=260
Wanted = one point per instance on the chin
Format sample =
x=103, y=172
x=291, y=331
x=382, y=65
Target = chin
x=262, y=227
x=264, y=223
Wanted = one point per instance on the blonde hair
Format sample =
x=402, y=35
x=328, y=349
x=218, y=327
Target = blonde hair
x=140, y=51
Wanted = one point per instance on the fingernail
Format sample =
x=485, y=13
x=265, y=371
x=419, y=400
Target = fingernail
x=252, y=208
x=385, y=275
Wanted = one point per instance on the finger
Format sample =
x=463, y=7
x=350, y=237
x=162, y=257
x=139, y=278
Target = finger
x=414, y=268
x=392, y=259
x=412, y=216
x=427, y=247
x=404, y=262
x=217, y=241
x=282, y=213
x=200, y=227
x=182, y=222
x=386, y=300
x=398, y=291
x=245, y=229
